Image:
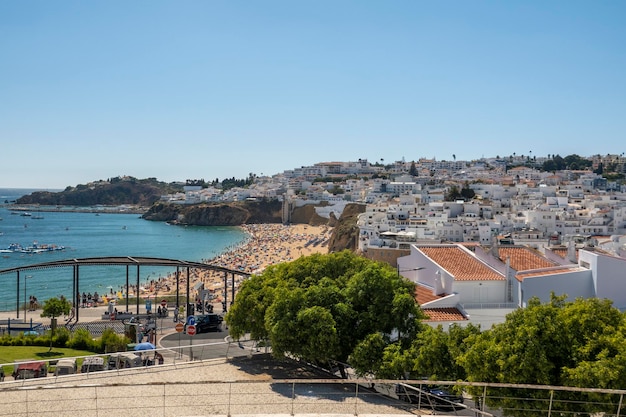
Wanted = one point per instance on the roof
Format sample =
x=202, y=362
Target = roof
x=443, y=314
x=520, y=276
x=31, y=365
x=523, y=258
x=460, y=263
x=425, y=294
x=562, y=252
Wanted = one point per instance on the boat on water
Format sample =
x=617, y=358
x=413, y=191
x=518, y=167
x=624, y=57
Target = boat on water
x=34, y=248
x=26, y=214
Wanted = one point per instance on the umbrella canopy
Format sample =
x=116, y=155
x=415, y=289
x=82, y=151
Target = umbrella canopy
x=145, y=346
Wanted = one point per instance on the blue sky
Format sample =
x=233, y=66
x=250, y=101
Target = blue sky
x=216, y=89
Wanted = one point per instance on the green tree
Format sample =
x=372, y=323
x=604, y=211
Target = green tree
x=321, y=307
x=53, y=308
x=466, y=192
x=578, y=343
x=453, y=193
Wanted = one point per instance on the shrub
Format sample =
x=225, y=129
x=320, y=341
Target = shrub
x=81, y=339
x=111, y=342
x=61, y=337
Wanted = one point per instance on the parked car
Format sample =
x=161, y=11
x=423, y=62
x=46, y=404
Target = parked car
x=428, y=396
x=65, y=367
x=27, y=370
x=92, y=364
x=208, y=322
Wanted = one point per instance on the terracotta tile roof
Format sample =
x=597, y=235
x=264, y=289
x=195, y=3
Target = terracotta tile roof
x=562, y=252
x=524, y=258
x=425, y=295
x=459, y=263
x=523, y=275
x=443, y=314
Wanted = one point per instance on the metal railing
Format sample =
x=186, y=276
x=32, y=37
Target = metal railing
x=190, y=383
x=290, y=397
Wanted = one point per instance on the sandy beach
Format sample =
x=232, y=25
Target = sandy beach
x=267, y=244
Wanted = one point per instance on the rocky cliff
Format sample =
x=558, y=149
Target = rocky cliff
x=217, y=214
x=345, y=230
x=344, y=235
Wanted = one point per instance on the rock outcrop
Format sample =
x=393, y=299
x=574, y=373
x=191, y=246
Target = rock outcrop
x=345, y=231
x=344, y=234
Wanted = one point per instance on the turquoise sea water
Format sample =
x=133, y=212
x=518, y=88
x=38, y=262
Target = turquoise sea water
x=86, y=235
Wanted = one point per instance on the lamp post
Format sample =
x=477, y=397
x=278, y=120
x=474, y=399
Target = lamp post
x=25, y=278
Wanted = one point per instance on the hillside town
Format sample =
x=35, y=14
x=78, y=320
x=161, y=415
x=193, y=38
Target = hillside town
x=524, y=232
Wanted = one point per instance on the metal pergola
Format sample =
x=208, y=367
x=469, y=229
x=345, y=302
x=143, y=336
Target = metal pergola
x=128, y=261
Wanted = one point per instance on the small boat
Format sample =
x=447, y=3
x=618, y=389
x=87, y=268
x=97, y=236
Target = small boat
x=26, y=214
x=34, y=248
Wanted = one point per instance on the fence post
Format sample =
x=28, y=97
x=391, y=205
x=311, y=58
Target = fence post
x=482, y=405
x=550, y=406
x=293, y=396
x=619, y=406
x=356, y=399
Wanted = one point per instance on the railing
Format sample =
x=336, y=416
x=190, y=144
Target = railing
x=189, y=383
x=290, y=397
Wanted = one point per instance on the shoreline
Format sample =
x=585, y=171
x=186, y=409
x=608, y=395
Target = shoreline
x=121, y=209
x=267, y=244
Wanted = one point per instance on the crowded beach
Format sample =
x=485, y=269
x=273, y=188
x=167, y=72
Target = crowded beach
x=265, y=245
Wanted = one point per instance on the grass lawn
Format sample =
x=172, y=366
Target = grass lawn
x=9, y=354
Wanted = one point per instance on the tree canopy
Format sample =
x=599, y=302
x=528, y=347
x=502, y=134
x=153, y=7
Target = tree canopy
x=321, y=307
x=579, y=344
x=53, y=308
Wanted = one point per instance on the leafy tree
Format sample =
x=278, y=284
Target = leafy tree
x=578, y=343
x=600, y=169
x=53, y=308
x=321, y=307
x=453, y=193
x=413, y=169
x=466, y=192
x=431, y=355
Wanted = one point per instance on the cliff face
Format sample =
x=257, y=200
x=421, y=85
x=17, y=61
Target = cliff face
x=344, y=234
x=222, y=214
x=345, y=231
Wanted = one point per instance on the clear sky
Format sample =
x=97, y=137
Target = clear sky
x=217, y=89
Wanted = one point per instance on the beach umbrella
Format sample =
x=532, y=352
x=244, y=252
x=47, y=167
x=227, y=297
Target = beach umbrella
x=145, y=346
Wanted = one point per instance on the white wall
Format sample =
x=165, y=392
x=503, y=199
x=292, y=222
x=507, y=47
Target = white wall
x=574, y=284
x=609, y=278
x=481, y=292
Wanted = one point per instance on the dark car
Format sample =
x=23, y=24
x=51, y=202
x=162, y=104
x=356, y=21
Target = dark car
x=208, y=322
x=429, y=396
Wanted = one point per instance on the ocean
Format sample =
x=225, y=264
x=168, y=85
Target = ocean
x=87, y=235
